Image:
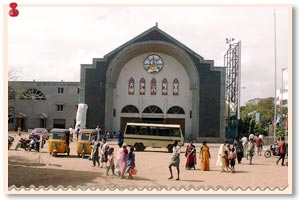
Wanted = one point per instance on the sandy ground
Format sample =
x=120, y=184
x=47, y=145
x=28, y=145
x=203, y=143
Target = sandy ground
x=24, y=169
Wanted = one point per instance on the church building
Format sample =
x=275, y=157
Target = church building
x=155, y=78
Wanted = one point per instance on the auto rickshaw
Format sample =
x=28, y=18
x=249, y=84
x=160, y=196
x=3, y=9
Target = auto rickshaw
x=83, y=143
x=59, y=142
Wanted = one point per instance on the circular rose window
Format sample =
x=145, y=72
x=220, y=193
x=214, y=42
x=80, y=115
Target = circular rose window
x=153, y=64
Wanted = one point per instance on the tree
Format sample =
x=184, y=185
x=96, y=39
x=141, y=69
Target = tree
x=14, y=87
x=266, y=109
x=14, y=91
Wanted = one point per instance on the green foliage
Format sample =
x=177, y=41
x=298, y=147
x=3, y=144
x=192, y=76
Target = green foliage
x=279, y=132
x=260, y=128
x=266, y=109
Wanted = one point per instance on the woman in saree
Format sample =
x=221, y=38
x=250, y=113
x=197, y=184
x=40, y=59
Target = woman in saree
x=220, y=160
x=204, y=157
x=190, y=155
x=122, y=159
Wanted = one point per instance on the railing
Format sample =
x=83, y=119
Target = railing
x=270, y=140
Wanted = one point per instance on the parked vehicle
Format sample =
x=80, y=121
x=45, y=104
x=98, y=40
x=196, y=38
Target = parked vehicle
x=83, y=142
x=10, y=141
x=59, y=142
x=37, y=132
x=34, y=144
x=273, y=150
x=23, y=143
x=142, y=135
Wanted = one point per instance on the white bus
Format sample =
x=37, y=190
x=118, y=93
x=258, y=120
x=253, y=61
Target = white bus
x=142, y=135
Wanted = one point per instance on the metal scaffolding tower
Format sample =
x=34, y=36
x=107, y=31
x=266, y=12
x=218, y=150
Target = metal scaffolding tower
x=232, y=62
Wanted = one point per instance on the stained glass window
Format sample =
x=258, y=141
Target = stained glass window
x=142, y=86
x=131, y=86
x=175, y=87
x=153, y=64
x=164, y=89
x=153, y=87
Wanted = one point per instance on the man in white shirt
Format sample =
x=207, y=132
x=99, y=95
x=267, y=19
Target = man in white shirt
x=71, y=134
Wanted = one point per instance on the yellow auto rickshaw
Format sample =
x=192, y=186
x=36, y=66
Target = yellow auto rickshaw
x=83, y=143
x=59, y=142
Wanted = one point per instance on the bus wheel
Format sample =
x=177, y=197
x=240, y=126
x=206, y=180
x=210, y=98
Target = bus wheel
x=170, y=148
x=139, y=147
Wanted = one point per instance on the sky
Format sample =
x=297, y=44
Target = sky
x=50, y=43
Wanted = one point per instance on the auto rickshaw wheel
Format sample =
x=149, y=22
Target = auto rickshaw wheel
x=68, y=151
x=267, y=154
x=78, y=154
x=54, y=154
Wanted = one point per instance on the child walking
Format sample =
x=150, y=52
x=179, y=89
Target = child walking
x=226, y=158
x=104, y=152
x=232, y=160
x=130, y=162
x=110, y=161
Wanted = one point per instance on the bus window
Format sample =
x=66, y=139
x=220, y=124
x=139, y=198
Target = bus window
x=144, y=130
x=163, y=131
x=131, y=130
x=153, y=131
x=175, y=132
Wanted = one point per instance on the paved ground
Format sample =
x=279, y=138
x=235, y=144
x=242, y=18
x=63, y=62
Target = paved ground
x=24, y=169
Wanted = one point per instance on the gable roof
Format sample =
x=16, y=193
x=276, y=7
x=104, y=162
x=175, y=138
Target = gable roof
x=154, y=34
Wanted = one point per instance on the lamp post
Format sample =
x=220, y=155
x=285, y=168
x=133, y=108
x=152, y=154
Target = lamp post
x=281, y=103
x=282, y=88
x=275, y=88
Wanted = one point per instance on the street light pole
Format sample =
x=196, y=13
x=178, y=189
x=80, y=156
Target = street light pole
x=281, y=103
x=275, y=97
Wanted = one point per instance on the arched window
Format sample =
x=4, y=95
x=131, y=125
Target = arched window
x=152, y=109
x=142, y=86
x=175, y=87
x=153, y=87
x=175, y=110
x=33, y=94
x=130, y=109
x=164, y=87
x=131, y=86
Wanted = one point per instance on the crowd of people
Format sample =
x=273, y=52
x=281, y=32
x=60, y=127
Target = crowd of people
x=120, y=164
x=227, y=154
x=122, y=161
